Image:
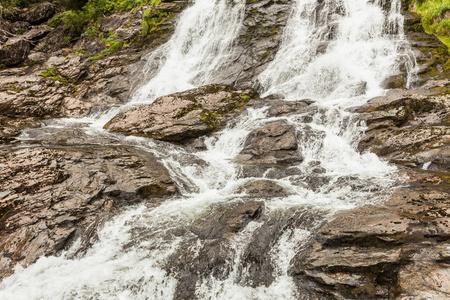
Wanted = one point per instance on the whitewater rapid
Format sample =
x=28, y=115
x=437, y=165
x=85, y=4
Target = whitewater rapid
x=335, y=52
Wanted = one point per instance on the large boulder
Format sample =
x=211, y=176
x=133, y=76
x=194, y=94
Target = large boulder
x=49, y=197
x=274, y=144
x=184, y=115
x=14, y=51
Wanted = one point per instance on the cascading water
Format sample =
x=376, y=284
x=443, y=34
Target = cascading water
x=200, y=45
x=336, y=52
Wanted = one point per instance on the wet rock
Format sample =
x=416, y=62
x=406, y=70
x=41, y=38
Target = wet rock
x=274, y=144
x=279, y=107
x=258, y=41
x=14, y=51
x=394, y=82
x=369, y=252
x=184, y=115
x=407, y=128
x=263, y=188
x=230, y=220
x=53, y=195
x=199, y=144
x=39, y=14
x=354, y=89
x=68, y=137
x=213, y=231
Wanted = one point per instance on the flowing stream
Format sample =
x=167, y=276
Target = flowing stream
x=335, y=52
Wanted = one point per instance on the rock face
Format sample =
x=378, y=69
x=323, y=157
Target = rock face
x=49, y=197
x=410, y=129
x=184, y=115
x=213, y=230
x=397, y=250
x=274, y=144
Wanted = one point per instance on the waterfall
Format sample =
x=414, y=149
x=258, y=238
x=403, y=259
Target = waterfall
x=201, y=43
x=336, y=52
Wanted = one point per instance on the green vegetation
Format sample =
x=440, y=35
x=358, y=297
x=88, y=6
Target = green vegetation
x=152, y=19
x=53, y=74
x=211, y=119
x=433, y=17
x=84, y=17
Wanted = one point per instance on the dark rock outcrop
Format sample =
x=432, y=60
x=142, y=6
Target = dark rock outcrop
x=411, y=128
x=258, y=41
x=184, y=115
x=49, y=197
x=274, y=144
x=372, y=252
x=14, y=51
x=214, y=229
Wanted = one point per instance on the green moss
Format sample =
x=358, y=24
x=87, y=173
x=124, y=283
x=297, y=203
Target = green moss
x=446, y=66
x=85, y=20
x=185, y=110
x=15, y=88
x=53, y=74
x=98, y=57
x=211, y=119
x=244, y=97
x=152, y=18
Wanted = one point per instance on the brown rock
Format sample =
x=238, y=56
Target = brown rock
x=11, y=127
x=274, y=144
x=394, y=82
x=263, y=188
x=184, y=115
x=49, y=196
x=72, y=107
x=408, y=128
x=395, y=250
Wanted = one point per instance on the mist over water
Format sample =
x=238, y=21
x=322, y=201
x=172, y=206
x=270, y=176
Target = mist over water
x=336, y=52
